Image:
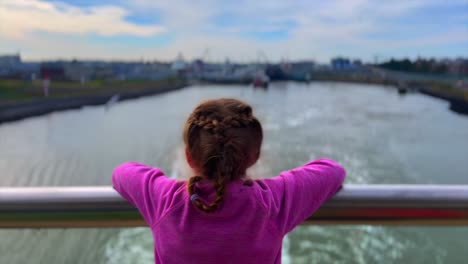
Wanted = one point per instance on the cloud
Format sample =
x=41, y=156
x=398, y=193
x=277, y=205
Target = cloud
x=299, y=29
x=20, y=17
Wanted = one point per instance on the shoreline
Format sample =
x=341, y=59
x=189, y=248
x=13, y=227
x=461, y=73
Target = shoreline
x=10, y=112
x=456, y=104
x=16, y=111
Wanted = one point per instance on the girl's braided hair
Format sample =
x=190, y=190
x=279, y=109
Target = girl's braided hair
x=223, y=139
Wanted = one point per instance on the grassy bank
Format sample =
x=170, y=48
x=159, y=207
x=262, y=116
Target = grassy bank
x=19, y=99
x=438, y=86
x=14, y=91
x=449, y=90
x=444, y=87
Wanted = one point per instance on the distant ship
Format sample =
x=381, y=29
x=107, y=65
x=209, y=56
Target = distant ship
x=402, y=87
x=261, y=80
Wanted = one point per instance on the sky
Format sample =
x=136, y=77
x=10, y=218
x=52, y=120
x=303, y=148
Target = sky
x=239, y=30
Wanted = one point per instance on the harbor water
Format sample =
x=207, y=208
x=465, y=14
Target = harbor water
x=378, y=135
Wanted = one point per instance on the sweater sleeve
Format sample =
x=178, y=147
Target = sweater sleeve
x=297, y=193
x=147, y=188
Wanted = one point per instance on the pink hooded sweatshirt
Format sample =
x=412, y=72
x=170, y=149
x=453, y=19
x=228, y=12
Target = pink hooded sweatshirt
x=248, y=227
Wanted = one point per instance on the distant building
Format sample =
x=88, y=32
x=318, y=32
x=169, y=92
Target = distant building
x=78, y=71
x=301, y=70
x=458, y=66
x=102, y=71
x=303, y=66
x=9, y=65
x=179, y=64
x=340, y=63
x=198, y=66
x=149, y=71
x=52, y=70
x=357, y=63
x=10, y=60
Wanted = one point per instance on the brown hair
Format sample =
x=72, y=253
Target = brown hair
x=223, y=139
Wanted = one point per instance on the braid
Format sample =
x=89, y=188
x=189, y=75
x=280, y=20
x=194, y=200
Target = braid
x=193, y=195
x=191, y=183
x=217, y=125
x=221, y=149
x=220, y=190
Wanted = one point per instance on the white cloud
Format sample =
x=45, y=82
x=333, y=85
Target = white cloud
x=20, y=17
x=316, y=29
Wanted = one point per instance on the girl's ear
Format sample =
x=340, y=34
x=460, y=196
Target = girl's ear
x=188, y=156
x=254, y=159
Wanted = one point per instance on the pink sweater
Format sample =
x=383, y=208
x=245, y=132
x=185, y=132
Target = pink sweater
x=249, y=226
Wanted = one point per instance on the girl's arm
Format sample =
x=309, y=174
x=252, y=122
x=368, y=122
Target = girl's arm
x=144, y=187
x=297, y=193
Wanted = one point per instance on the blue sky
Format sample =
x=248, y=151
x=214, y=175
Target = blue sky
x=239, y=30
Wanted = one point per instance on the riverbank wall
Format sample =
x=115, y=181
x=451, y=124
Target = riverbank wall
x=457, y=104
x=16, y=111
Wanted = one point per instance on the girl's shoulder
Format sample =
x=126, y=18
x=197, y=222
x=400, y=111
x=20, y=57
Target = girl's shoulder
x=295, y=194
x=146, y=187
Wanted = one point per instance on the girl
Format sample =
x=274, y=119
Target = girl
x=219, y=216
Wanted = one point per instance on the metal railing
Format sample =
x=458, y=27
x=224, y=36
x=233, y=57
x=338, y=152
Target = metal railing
x=50, y=207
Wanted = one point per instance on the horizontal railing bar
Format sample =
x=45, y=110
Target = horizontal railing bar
x=31, y=207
